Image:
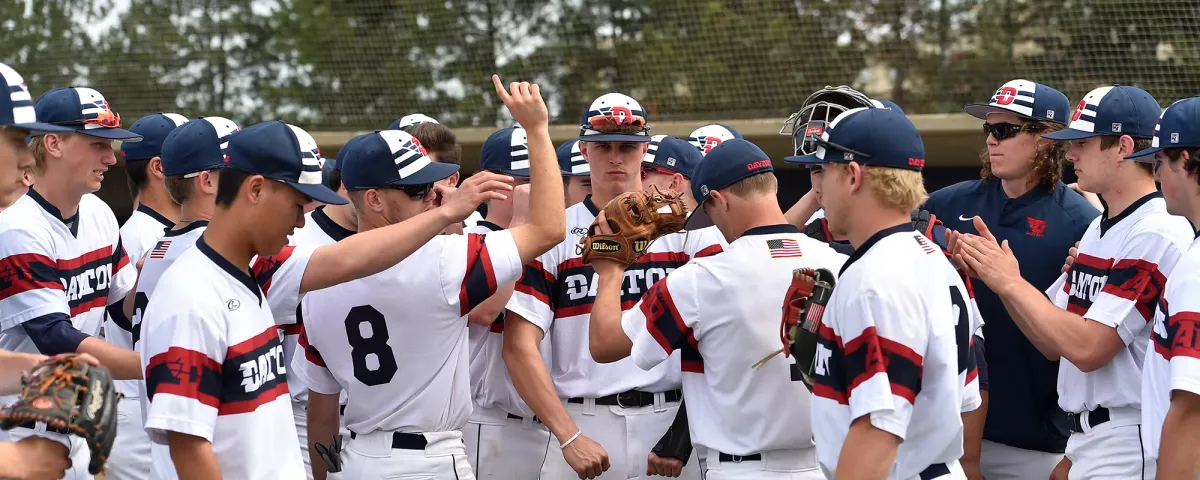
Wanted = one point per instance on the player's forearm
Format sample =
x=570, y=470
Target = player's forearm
x=123, y=364
x=606, y=339
x=12, y=365
x=868, y=452
x=532, y=381
x=1178, y=457
x=373, y=251
x=1058, y=333
x=322, y=427
x=973, y=422
x=547, y=212
x=803, y=209
x=486, y=312
x=193, y=457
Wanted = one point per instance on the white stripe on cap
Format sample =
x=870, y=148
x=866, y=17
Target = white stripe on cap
x=518, y=156
x=91, y=102
x=178, y=119
x=402, y=145
x=225, y=128
x=1086, y=112
x=310, y=157
x=652, y=149
x=22, y=111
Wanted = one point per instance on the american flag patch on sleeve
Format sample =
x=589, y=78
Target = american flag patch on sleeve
x=160, y=249
x=784, y=247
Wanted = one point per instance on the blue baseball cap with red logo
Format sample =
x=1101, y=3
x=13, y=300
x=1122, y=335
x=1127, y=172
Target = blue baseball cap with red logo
x=1115, y=110
x=16, y=108
x=672, y=154
x=727, y=164
x=876, y=137
x=709, y=136
x=1025, y=99
x=1177, y=127
x=615, y=117
x=84, y=111
x=197, y=146
x=389, y=158
x=281, y=152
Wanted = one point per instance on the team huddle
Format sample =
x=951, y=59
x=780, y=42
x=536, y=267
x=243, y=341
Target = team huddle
x=270, y=313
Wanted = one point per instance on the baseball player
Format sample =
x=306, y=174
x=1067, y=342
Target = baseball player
x=441, y=143
x=18, y=119
x=220, y=328
x=1098, y=317
x=577, y=177
x=60, y=247
x=668, y=166
x=890, y=352
x=707, y=137
x=1169, y=382
x=755, y=422
x=421, y=377
x=1022, y=200
x=156, y=212
x=600, y=415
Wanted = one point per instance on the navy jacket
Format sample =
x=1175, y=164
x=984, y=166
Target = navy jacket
x=1040, y=226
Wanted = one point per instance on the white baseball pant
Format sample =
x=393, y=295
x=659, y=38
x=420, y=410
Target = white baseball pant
x=1111, y=450
x=162, y=467
x=79, y=453
x=998, y=461
x=483, y=438
x=627, y=434
x=800, y=464
x=514, y=449
x=371, y=456
x=130, y=458
x=300, y=418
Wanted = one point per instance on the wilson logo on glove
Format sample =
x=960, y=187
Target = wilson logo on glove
x=636, y=219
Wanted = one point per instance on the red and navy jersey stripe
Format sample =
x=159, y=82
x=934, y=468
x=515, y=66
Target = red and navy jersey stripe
x=264, y=268
x=310, y=352
x=1085, y=280
x=575, y=285
x=663, y=320
x=538, y=283
x=250, y=376
x=479, y=282
x=24, y=272
x=862, y=358
x=185, y=373
x=1138, y=281
x=1182, y=334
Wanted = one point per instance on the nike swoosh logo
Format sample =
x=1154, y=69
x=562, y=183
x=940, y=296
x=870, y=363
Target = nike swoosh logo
x=965, y=219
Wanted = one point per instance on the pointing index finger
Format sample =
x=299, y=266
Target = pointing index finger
x=503, y=94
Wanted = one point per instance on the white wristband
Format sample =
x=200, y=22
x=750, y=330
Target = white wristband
x=569, y=440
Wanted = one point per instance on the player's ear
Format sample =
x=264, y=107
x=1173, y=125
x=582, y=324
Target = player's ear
x=53, y=144
x=373, y=200
x=854, y=173
x=255, y=188
x=155, y=168
x=1126, y=146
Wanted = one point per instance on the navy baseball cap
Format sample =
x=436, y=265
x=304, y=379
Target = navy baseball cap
x=708, y=136
x=571, y=161
x=16, y=108
x=1116, y=110
x=388, y=158
x=281, y=152
x=673, y=154
x=197, y=146
x=154, y=130
x=84, y=111
x=615, y=117
x=1178, y=127
x=410, y=121
x=876, y=137
x=1025, y=99
x=727, y=164
x=506, y=151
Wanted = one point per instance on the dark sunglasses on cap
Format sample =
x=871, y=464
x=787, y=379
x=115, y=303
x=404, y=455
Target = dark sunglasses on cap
x=617, y=122
x=415, y=192
x=651, y=168
x=1005, y=131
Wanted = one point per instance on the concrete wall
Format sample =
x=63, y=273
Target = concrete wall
x=952, y=145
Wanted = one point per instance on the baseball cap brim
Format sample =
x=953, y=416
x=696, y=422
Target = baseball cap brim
x=615, y=137
x=39, y=127
x=698, y=218
x=806, y=160
x=1070, y=134
x=1145, y=152
x=523, y=173
x=318, y=192
x=110, y=134
x=981, y=111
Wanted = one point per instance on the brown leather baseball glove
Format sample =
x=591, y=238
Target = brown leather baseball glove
x=70, y=396
x=636, y=219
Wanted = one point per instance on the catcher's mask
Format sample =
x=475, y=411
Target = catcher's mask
x=807, y=125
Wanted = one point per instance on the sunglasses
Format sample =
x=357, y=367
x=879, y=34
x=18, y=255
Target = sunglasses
x=620, y=121
x=1005, y=131
x=415, y=192
x=105, y=118
x=650, y=168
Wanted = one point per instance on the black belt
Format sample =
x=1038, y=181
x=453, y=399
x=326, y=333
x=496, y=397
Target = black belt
x=1096, y=417
x=405, y=441
x=725, y=457
x=934, y=471
x=522, y=419
x=632, y=398
x=342, y=410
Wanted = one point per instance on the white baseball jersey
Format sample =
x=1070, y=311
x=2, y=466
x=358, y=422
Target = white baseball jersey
x=722, y=314
x=889, y=348
x=51, y=265
x=556, y=293
x=1116, y=280
x=318, y=230
x=214, y=366
x=396, y=342
x=1174, y=359
x=139, y=234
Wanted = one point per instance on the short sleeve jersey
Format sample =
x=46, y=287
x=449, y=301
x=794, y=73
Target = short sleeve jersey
x=139, y=234
x=214, y=366
x=1117, y=280
x=726, y=308
x=396, y=341
x=52, y=265
x=889, y=348
x=557, y=291
x=1173, y=362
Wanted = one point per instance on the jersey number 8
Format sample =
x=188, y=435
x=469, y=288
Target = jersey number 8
x=376, y=344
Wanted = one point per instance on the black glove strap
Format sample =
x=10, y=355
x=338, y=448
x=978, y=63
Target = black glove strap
x=677, y=442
